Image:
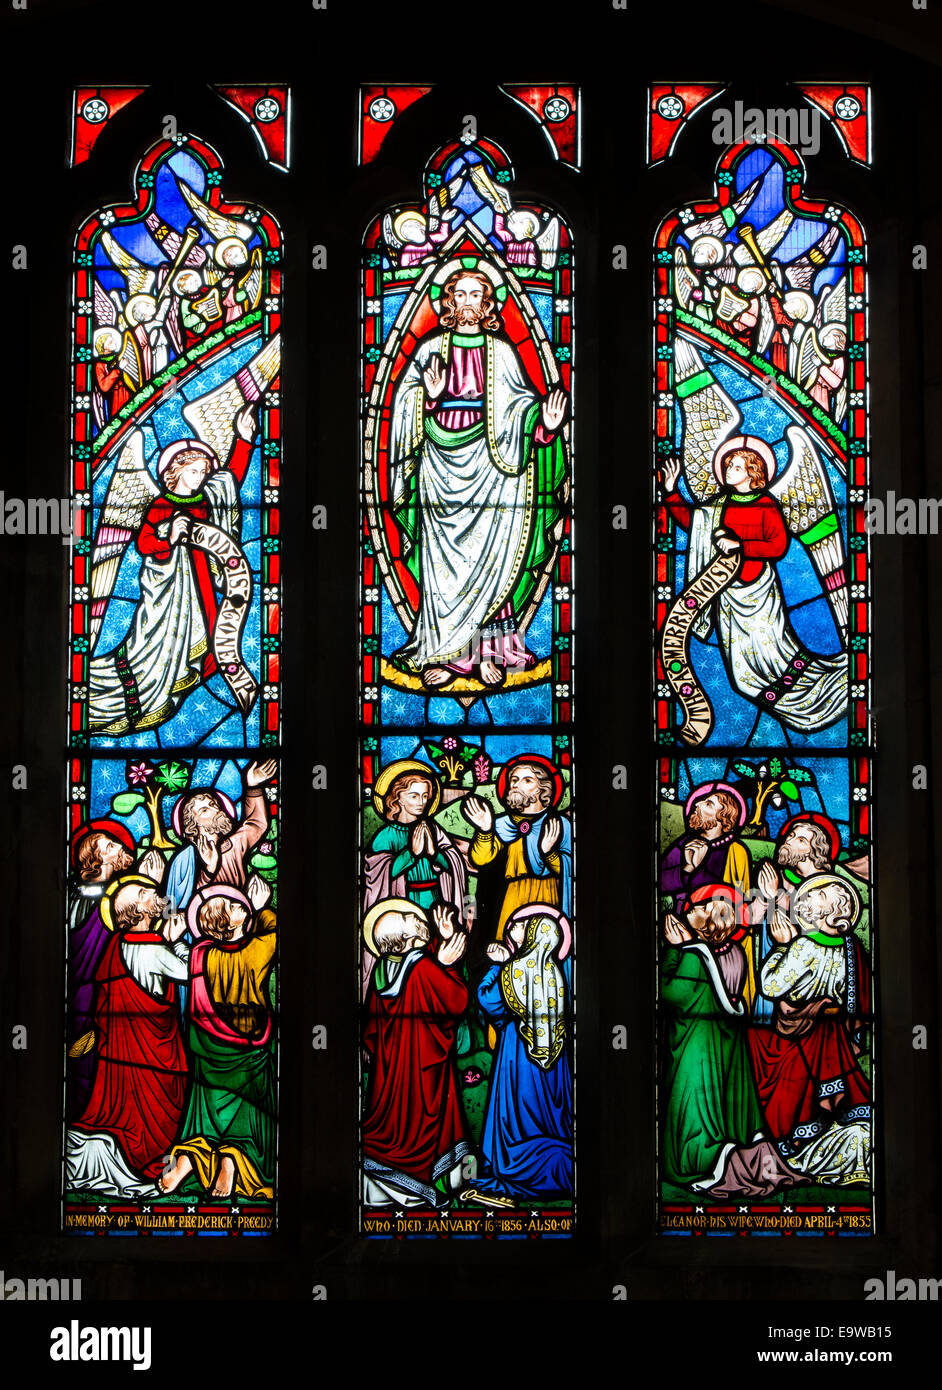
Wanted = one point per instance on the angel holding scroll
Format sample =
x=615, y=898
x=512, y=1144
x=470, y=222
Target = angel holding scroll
x=742, y=522
x=195, y=581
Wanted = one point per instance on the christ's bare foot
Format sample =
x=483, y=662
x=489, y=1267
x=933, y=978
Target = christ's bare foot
x=169, y=1182
x=437, y=675
x=222, y=1187
x=490, y=673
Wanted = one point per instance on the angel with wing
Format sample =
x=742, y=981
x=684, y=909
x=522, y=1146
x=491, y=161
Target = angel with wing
x=821, y=364
x=195, y=582
x=234, y=274
x=742, y=512
x=412, y=236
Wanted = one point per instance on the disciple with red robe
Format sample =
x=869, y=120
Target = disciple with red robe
x=140, y=1082
x=806, y=1066
x=413, y=1127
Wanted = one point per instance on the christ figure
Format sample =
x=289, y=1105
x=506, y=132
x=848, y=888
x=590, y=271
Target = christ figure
x=477, y=472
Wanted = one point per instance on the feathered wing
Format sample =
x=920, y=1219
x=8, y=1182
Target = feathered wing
x=212, y=417
x=547, y=241
x=720, y=223
x=389, y=236
x=766, y=240
x=216, y=223
x=801, y=271
x=832, y=304
x=130, y=493
x=140, y=277
x=106, y=314
x=810, y=512
x=766, y=325
x=810, y=358
x=709, y=418
x=251, y=282
x=685, y=282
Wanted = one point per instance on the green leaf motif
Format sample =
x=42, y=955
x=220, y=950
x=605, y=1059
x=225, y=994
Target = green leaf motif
x=125, y=803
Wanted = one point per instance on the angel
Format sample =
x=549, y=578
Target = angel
x=821, y=362
x=234, y=273
x=113, y=385
x=412, y=238
x=741, y=512
x=186, y=530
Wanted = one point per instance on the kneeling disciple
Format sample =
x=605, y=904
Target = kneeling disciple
x=527, y=1141
x=228, y=1133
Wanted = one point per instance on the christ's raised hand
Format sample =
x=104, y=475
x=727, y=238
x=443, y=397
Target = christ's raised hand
x=671, y=475
x=554, y=409
x=434, y=377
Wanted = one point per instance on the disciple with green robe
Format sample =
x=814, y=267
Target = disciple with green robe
x=711, y=1104
x=228, y=1132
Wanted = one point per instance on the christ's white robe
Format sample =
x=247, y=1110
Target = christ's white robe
x=475, y=499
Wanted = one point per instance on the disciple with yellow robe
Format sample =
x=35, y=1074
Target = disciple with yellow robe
x=228, y=1132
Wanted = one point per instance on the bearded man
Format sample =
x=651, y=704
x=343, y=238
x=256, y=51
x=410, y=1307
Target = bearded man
x=137, y=1096
x=228, y=1133
x=217, y=847
x=806, y=1066
x=477, y=473
x=808, y=844
x=709, y=851
x=414, y=1133
x=528, y=851
x=711, y=1108
x=101, y=850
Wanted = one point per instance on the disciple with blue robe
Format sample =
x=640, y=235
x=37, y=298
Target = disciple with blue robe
x=527, y=1139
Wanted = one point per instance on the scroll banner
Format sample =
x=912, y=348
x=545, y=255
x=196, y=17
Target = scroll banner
x=675, y=644
x=230, y=619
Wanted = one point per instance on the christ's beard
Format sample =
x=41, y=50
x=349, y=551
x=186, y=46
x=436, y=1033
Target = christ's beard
x=701, y=820
x=469, y=315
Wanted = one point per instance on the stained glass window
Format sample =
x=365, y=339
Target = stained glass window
x=764, y=771
x=466, y=954
x=174, y=709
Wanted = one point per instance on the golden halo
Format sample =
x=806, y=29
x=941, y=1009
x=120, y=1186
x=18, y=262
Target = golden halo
x=408, y=215
x=114, y=887
x=394, y=770
x=379, y=910
x=823, y=880
x=225, y=244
